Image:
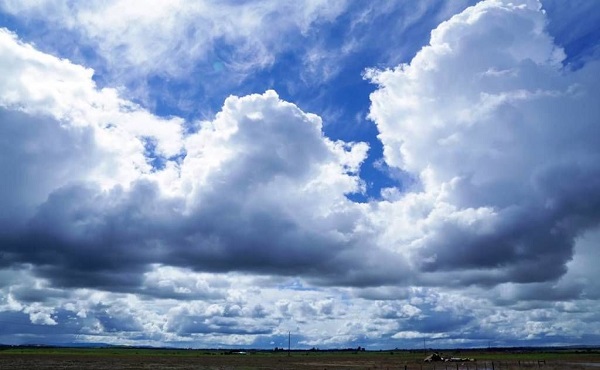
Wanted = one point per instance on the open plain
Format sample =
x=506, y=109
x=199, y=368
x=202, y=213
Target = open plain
x=137, y=359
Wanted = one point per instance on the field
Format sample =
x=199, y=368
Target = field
x=134, y=359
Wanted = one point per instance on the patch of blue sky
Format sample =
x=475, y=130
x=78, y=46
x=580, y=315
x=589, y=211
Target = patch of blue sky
x=342, y=98
x=10, y=22
x=279, y=341
x=58, y=41
x=297, y=284
x=157, y=161
x=574, y=26
x=185, y=97
x=331, y=86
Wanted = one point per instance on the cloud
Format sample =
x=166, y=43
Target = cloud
x=41, y=85
x=258, y=189
x=238, y=229
x=377, y=32
x=176, y=39
x=32, y=148
x=502, y=138
x=169, y=54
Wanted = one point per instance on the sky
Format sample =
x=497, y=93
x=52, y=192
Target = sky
x=218, y=174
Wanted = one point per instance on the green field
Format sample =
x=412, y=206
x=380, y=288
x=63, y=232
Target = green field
x=20, y=358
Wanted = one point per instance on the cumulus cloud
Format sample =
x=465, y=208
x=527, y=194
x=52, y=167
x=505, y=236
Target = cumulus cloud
x=238, y=229
x=504, y=141
x=41, y=85
x=259, y=188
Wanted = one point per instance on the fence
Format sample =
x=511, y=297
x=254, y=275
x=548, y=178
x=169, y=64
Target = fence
x=495, y=365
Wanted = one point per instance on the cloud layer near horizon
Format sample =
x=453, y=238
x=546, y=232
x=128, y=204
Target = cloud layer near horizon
x=207, y=228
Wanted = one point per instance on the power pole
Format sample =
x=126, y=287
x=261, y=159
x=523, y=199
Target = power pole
x=289, y=342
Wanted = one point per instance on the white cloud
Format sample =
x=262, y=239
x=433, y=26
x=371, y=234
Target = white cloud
x=170, y=37
x=259, y=188
x=39, y=84
x=40, y=315
x=243, y=232
x=501, y=137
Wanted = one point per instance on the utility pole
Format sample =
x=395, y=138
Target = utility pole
x=289, y=343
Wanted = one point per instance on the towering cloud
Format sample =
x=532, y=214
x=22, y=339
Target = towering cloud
x=503, y=138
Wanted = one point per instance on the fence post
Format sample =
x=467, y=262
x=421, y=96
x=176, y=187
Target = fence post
x=493, y=368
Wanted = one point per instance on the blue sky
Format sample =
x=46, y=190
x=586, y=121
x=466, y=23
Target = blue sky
x=359, y=173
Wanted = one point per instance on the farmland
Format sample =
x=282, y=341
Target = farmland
x=19, y=358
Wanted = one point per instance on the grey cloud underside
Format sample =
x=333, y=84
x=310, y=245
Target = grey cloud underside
x=223, y=325
x=75, y=243
x=84, y=236
x=507, y=135
x=510, y=138
x=36, y=158
x=540, y=213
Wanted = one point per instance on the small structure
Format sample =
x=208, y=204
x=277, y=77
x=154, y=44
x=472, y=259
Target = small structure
x=459, y=359
x=434, y=357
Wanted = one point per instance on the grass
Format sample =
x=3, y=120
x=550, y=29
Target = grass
x=144, y=358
